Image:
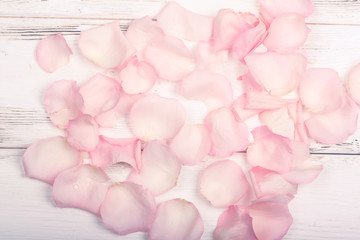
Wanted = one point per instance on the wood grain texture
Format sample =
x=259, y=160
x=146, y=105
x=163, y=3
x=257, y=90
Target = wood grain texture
x=329, y=208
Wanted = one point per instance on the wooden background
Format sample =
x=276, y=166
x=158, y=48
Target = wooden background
x=329, y=208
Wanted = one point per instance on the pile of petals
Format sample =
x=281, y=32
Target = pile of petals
x=240, y=67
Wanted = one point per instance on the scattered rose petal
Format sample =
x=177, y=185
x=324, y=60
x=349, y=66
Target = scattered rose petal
x=336, y=126
x=100, y=94
x=277, y=73
x=177, y=21
x=128, y=208
x=83, y=133
x=279, y=122
x=53, y=53
x=353, y=83
x=191, y=144
x=63, y=102
x=270, y=151
x=241, y=113
x=226, y=134
x=234, y=223
x=160, y=168
x=170, y=57
x=223, y=183
x=81, y=187
x=212, y=89
x=271, y=220
x=110, y=151
x=154, y=117
x=46, y=158
x=321, y=90
x=106, y=45
x=287, y=32
x=177, y=219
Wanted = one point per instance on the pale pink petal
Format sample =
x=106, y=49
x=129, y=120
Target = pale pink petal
x=271, y=220
x=212, y=89
x=270, y=151
x=177, y=219
x=154, y=117
x=321, y=90
x=269, y=183
x=302, y=169
x=81, y=187
x=46, y=158
x=141, y=32
x=234, y=224
x=83, y=133
x=128, y=208
x=336, y=126
x=277, y=73
x=111, y=150
x=245, y=42
x=53, y=53
x=170, y=57
x=109, y=118
x=191, y=144
x=226, y=134
x=137, y=77
x=279, y=122
x=160, y=168
x=296, y=113
x=270, y=9
x=221, y=62
x=223, y=183
x=287, y=33
x=100, y=94
x=353, y=83
x=241, y=113
x=106, y=45
x=63, y=102
x=179, y=22
x=228, y=25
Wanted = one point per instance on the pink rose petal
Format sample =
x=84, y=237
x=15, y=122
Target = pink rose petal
x=223, y=183
x=191, y=144
x=63, y=102
x=241, y=113
x=234, y=223
x=178, y=22
x=321, y=90
x=106, y=45
x=141, y=32
x=154, y=117
x=226, y=134
x=110, y=151
x=353, y=83
x=137, y=77
x=277, y=73
x=279, y=122
x=81, y=187
x=271, y=220
x=287, y=33
x=46, y=158
x=160, y=168
x=270, y=151
x=336, y=126
x=269, y=183
x=212, y=89
x=170, y=57
x=100, y=94
x=53, y=53
x=83, y=133
x=270, y=9
x=128, y=208
x=177, y=219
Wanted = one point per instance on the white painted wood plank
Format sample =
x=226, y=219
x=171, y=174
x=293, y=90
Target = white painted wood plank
x=326, y=11
x=23, y=83
x=329, y=208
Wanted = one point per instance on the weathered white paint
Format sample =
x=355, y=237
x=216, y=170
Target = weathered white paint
x=329, y=208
